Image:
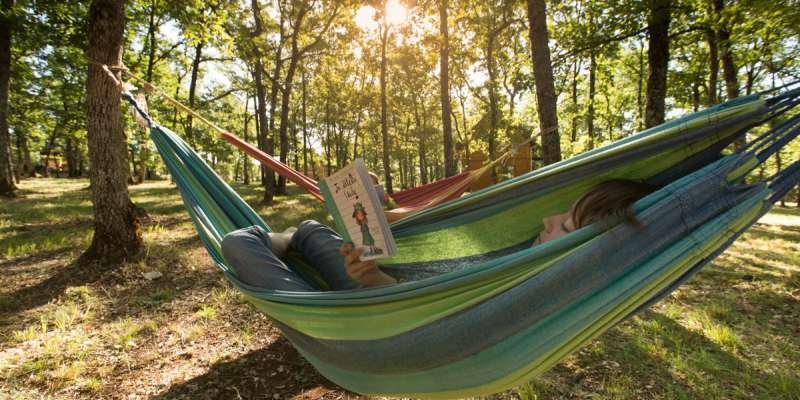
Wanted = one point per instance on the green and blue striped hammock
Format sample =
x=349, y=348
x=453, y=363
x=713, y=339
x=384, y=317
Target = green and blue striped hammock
x=493, y=312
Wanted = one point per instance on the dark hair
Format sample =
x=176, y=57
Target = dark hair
x=610, y=198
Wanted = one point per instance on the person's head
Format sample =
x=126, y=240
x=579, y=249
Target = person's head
x=374, y=177
x=610, y=198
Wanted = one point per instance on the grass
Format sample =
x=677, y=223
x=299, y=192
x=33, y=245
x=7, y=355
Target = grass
x=732, y=332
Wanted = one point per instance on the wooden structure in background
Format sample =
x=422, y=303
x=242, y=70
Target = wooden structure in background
x=476, y=160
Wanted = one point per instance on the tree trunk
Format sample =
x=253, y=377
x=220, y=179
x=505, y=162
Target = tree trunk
x=592, y=92
x=575, y=69
x=151, y=35
x=116, y=227
x=444, y=86
x=264, y=141
x=543, y=75
x=639, y=90
x=492, y=70
x=286, y=92
x=7, y=187
x=729, y=70
x=72, y=159
x=198, y=52
x=713, y=66
x=245, y=160
x=779, y=164
x=24, y=155
x=305, y=129
x=387, y=170
x=658, y=61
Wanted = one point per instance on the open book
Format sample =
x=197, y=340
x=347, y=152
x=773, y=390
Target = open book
x=354, y=204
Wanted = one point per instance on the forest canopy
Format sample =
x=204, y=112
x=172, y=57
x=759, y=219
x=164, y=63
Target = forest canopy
x=318, y=82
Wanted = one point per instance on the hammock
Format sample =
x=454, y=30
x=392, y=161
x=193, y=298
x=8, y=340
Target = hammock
x=494, y=312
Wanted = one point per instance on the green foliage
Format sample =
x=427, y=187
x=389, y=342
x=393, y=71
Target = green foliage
x=334, y=106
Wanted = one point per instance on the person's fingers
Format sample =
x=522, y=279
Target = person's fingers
x=352, y=257
x=364, y=267
x=345, y=249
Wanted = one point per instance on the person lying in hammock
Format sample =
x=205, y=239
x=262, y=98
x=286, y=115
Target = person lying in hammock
x=255, y=253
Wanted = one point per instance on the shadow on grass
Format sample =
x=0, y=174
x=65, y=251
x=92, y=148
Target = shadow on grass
x=77, y=273
x=73, y=274
x=275, y=370
x=660, y=354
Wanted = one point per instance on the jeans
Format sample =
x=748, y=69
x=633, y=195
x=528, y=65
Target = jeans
x=249, y=252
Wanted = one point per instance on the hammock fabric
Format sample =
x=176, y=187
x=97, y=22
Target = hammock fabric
x=494, y=311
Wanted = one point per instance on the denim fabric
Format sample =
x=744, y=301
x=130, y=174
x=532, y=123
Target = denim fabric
x=249, y=252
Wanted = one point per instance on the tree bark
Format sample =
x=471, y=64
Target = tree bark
x=387, y=170
x=444, y=85
x=493, y=117
x=198, y=53
x=729, y=70
x=713, y=66
x=592, y=92
x=7, y=186
x=245, y=160
x=24, y=164
x=286, y=92
x=116, y=227
x=305, y=128
x=264, y=141
x=543, y=76
x=658, y=61
x=639, y=90
x=576, y=66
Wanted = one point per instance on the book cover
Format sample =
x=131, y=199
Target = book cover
x=357, y=211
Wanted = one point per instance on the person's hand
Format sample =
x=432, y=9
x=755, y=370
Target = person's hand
x=365, y=272
x=356, y=268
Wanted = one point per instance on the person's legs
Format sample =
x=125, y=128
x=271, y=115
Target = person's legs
x=249, y=251
x=320, y=247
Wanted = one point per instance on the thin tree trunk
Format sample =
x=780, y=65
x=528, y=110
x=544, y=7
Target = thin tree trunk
x=543, y=75
x=658, y=61
x=305, y=129
x=444, y=86
x=116, y=227
x=245, y=160
x=151, y=34
x=264, y=141
x=592, y=92
x=575, y=69
x=493, y=117
x=387, y=170
x=639, y=90
x=713, y=66
x=24, y=155
x=286, y=91
x=198, y=52
x=7, y=187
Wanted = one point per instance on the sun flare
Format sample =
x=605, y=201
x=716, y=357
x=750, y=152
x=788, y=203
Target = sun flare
x=396, y=14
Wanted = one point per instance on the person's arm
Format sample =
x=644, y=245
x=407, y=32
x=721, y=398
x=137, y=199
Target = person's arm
x=365, y=272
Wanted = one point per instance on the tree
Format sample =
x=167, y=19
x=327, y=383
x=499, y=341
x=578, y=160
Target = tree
x=7, y=186
x=450, y=166
x=295, y=57
x=116, y=226
x=658, y=61
x=546, y=99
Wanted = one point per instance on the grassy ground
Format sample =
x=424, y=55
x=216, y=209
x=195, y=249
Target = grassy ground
x=83, y=331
